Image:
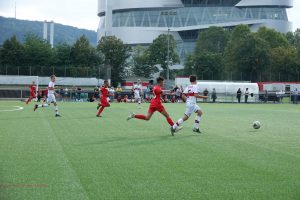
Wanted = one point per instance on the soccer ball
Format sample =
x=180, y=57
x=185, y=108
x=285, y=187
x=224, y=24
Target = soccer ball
x=256, y=125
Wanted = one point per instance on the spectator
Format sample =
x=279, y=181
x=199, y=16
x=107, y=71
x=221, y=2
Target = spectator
x=147, y=93
x=119, y=89
x=205, y=93
x=66, y=90
x=266, y=96
x=79, y=94
x=112, y=93
x=214, y=95
x=126, y=98
x=239, y=95
x=295, y=96
x=178, y=94
x=61, y=93
x=119, y=99
x=246, y=95
x=96, y=92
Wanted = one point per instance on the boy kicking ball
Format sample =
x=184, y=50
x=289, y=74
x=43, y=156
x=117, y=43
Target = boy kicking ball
x=190, y=95
x=51, y=97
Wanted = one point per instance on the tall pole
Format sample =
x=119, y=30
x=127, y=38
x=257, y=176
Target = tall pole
x=168, y=56
x=168, y=13
x=15, y=9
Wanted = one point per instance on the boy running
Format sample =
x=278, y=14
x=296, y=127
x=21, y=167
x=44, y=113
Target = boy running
x=190, y=95
x=137, y=91
x=155, y=105
x=32, y=89
x=103, y=99
x=51, y=97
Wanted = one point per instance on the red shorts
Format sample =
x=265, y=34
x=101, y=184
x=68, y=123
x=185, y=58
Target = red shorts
x=32, y=95
x=104, y=103
x=156, y=107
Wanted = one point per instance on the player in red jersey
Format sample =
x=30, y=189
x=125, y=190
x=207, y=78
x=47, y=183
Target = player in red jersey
x=155, y=105
x=103, y=99
x=32, y=88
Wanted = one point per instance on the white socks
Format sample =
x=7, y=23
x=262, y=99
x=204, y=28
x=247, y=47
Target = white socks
x=180, y=121
x=56, y=109
x=43, y=105
x=197, y=121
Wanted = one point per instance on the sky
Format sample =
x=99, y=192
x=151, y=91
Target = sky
x=79, y=13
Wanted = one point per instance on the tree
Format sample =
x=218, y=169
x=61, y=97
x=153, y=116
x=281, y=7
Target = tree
x=250, y=56
x=209, y=51
x=284, y=62
x=140, y=63
x=83, y=54
x=62, y=54
x=213, y=40
x=116, y=54
x=12, y=52
x=37, y=51
x=158, y=51
x=273, y=38
x=239, y=33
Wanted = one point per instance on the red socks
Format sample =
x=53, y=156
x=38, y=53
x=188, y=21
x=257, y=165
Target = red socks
x=143, y=117
x=170, y=121
x=100, y=111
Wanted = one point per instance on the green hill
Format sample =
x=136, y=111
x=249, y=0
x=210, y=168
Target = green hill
x=62, y=33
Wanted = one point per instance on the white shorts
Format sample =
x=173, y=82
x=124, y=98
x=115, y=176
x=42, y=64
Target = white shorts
x=191, y=108
x=51, y=98
x=137, y=96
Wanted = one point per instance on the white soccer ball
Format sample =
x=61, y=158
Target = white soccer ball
x=256, y=125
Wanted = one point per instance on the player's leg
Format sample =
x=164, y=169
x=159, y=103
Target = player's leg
x=167, y=116
x=180, y=121
x=43, y=105
x=142, y=117
x=199, y=114
x=56, y=109
x=190, y=108
x=100, y=111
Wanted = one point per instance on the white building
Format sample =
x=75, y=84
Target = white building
x=141, y=21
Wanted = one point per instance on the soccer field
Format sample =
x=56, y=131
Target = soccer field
x=79, y=156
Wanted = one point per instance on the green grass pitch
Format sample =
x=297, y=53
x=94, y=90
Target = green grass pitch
x=83, y=157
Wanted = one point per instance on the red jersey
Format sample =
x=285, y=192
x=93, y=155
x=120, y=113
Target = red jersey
x=104, y=92
x=32, y=89
x=157, y=92
x=156, y=102
x=103, y=100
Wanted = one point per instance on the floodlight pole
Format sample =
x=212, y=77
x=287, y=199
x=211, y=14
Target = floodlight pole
x=168, y=13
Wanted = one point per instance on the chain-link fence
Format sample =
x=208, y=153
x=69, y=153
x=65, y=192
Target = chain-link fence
x=242, y=76
x=100, y=72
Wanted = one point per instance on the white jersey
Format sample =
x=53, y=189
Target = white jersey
x=190, y=92
x=51, y=84
x=137, y=89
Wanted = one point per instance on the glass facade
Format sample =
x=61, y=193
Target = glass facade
x=193, y=16
x=188, y=18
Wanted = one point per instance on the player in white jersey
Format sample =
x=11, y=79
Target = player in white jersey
x=190, y=95
x=137, y=91
x=51, y=97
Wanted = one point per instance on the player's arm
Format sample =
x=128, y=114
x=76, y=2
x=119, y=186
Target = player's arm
x=201, y=96
x=183, y=97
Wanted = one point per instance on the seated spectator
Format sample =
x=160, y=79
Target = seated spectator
x=173, y=99
x=119, y=99
x=125, y=99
